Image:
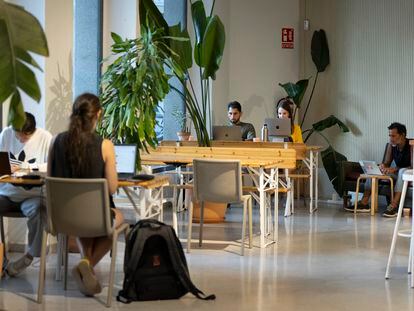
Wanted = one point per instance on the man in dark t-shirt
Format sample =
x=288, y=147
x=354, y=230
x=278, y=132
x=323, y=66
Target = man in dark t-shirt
x=234, y=113
x=399, y=154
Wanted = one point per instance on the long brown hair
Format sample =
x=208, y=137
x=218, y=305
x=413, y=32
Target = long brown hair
x=286, y=104
x=81, y=132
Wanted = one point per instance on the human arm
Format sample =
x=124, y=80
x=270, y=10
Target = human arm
x=108, y=154
x=385, y=165
x=251, y=132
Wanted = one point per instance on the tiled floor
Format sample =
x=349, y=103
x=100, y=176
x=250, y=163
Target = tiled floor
x=327, y=261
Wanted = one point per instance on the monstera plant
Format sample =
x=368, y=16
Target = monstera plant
x=296, y=91
x=20, y=34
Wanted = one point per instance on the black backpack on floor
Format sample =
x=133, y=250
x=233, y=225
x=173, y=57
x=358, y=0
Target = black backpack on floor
x=155, y=266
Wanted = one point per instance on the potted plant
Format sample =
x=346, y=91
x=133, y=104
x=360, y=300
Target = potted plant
x=182, y=119
x=20, y=33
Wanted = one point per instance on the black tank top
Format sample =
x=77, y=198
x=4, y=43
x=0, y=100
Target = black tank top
x=60, y=163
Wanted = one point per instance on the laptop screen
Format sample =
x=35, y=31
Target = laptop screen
x=125, y=158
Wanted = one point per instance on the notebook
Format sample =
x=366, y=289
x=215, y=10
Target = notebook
x=370, y=167
x=230, y=133
x=125, y=156
x=278, y=127
x=5, y=169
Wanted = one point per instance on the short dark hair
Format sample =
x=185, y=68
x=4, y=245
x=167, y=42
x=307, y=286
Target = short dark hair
x=29, y=127
x=234, y=105
x=401, y=129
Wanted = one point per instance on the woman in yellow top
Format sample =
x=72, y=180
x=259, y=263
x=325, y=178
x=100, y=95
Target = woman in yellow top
x=284, y=111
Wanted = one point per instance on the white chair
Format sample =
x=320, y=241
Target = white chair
x=78, y=207
x=408, y=176
x=219, y=181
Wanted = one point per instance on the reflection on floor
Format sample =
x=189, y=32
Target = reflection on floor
x=327, y=261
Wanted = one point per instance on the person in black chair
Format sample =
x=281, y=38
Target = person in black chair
x=234, y=114
x=28, y=147
x=399, y=154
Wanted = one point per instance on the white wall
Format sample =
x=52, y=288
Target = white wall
x=369, y=83
x=58, y=89
x=254, y=62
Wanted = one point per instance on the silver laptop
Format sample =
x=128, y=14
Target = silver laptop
x=125, y=156
x=230, y=133
x=370, y=167
x=278, y=127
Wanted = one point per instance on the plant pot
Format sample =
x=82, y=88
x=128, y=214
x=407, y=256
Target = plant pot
x=183, y=136
x=213, y=212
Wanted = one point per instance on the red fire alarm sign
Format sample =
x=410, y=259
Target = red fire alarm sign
x=287, y=38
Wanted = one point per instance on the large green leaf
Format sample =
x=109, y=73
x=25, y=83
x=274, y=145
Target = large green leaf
x=320, y=50
x=182, y=52
x=330, y=158
x=212, y=47
x=329, y=122
x=148, y=11
x=296, y=91
x=20, y=32
x=199, y=17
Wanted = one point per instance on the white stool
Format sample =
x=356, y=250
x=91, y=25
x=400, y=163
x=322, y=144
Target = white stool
x=408, y=176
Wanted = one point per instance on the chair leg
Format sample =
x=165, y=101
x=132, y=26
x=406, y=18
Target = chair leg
x=65, y=261
x=250, y=223
x=276, y=217
x=200, y=238
x=190, y=226
x=174, y=210
x=42, y=268
x=396, y=227
x=3, y=240
x=112, y=269
x=59, y=257
x=356, y=195
x=243, y=225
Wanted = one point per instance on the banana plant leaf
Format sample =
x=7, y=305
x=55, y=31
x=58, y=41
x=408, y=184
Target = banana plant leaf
x=329, y=122
x=182, y=51
x=212, y=47
x=198, y=14
x=320, y=50
x=20, y=33
x=296, y=91
x=148, y=11
x=330, y=158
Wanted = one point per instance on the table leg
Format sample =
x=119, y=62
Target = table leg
x=262, y=207
x=311, y=182
x=316, y=179
x=374, y=196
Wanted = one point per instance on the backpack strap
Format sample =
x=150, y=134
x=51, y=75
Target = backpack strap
x=180, y=264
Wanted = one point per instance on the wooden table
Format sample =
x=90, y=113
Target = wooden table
x=255, y=160
x=309, y=155
x=374, y=190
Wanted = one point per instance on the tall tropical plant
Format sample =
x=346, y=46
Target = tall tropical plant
x=132, y=87
x=296, y=91
x=20, y=34
x=208, y=53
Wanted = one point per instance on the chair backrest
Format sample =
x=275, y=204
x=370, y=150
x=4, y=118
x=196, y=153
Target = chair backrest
x=217, y=180
x=78, y=207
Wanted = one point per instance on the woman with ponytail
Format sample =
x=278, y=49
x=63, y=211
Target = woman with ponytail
x=81, y=153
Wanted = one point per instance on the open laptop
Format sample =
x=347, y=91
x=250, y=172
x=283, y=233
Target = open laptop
x=278, y=127
x=370, y=167
x=5, y=169
x=125, y=156
x=230, y=133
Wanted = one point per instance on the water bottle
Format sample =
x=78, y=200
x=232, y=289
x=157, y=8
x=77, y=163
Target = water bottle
x=265, y=133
